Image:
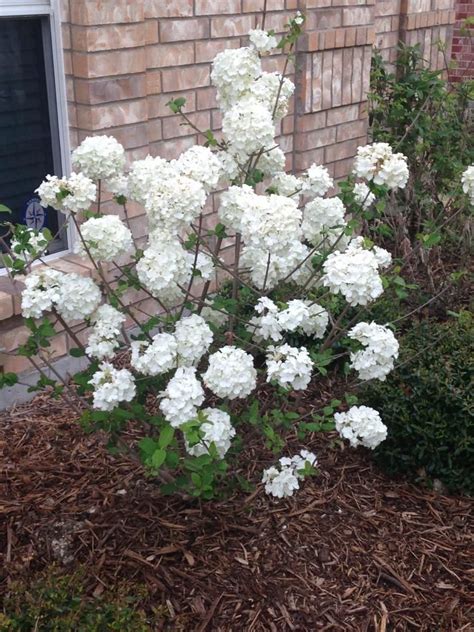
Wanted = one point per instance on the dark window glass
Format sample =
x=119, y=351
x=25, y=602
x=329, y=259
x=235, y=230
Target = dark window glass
x=29, y=143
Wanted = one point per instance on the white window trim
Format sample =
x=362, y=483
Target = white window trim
x=18, y=8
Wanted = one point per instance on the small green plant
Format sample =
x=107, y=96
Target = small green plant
x=427, y=406
x=59, y=603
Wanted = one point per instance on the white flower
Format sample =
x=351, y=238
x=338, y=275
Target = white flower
x=262, y=41
x=317, y=181
x=467, y=180
x=112, y=386
x=233, y=202
x=144, y=174
x=377, y=162
x=201, y=164
x=266, y=271
x=233, y=72
x=361, y=425
x=164, y=266
x=324, y=221
x=99, y=157
x=73, y=194
x=354, y=274
x=118, y=185
x=286, y=184
x=193, y=337
x=231, y=373
x=229, y=166
x=105, y=237
x=106, y=325
x=204, y=264
x=248, y=127
x=299, y=18
x=42, y=291
x=268, y=87
x=216, y=317
x=217, y=429
x=298, y=462
x=280, y=484
x=270, y=222
x=294, y=315
x=363, y=195
x=289, y=366
x=381, y=349
x=172, y=203
x=272, y=161
x=266, y=325
x=182, y=397
x=78, y=298
x=316, y=323
x=155, y=357
x=382, y=256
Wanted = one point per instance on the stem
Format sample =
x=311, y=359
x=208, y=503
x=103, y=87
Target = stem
x=235, y=283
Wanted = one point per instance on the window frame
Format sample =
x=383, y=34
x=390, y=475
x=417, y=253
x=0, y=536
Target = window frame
x=50, y=10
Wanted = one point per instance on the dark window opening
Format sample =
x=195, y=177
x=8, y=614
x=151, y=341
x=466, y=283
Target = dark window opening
x=29, y=135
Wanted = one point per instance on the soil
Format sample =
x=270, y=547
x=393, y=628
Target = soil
x=352, y=550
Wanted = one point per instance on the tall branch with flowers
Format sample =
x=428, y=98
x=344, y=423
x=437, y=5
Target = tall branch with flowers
x=190, y=372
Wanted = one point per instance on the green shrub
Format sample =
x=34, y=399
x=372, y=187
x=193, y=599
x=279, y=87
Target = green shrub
x=59, y=603
x=427, y=405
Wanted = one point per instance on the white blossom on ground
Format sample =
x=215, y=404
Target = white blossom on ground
x=376, y=360
x=282, y=480
x=106, y=238
x=106, y=324
x=290, y=366
x=111, y=387
x=74, y=194
x=182, y=397
x=231, y=373
x=217, y=429
x=467, y=180
x=156, y=356
x=194, y=337
x=262, y=41
x=363, y=195
x=377, y=162
x=99, y=157
x=361, y=425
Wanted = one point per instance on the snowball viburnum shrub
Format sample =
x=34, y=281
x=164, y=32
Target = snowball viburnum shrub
x=186, y=327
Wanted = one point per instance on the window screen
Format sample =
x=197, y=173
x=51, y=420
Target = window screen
x=29, y=141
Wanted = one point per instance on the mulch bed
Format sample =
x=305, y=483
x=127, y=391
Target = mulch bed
x=351, y=551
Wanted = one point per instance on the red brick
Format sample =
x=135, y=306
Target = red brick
x=206, y=51
x=168, y=8
x=182, y=30
x=97, y=12
x=352, y=129
x=185, y=78
x=231, y=26
x=163, y=55
x=175, y=126
x=214, y=7
x=347, y=149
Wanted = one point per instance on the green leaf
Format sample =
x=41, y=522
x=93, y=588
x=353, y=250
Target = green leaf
x=77, y=352
x=158, y=458
x=176, y=105
x=166, y=436
x=147, y=445
x=5, y=209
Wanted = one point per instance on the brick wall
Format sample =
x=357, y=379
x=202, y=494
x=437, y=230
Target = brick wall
x=124, y=59
x=463, y=44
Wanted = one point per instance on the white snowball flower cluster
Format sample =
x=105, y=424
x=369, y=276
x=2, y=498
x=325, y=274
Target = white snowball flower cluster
x=272, y=161
x=286, y=184
x=217, y=429
x=270, y=86
x=172, y=203
x=381, y=349
x=194, y=337
x=363, y=195
x=267, y=271
x=204, y=265
x=266, y=325
x=354, y=274
x=73, y=194
x=37, y=243
x=233, y=72
x=289, y=366
x=467, y=180
x=233, y=203
x=283, y=481
x=271, y=222
x=74, y=297
x=118, y=185
x=111, y=387
x=164, y=266
x=155, y=357
x=361, y=425
x=182, y=397
x=103, y=340
x=200, y=164
x=216, y=317
x=248, y=126
x=231, y=373
x=324, y=221
x=377, y=162
x=99, y=157
x=262, y=41
x=144, y=174
x=308, y=318
x=317, y=181
x=106, y=238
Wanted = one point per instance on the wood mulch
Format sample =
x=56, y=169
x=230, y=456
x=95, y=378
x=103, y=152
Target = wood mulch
x=351, y=551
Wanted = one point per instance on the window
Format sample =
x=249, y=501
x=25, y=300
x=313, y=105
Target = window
x=33, y=134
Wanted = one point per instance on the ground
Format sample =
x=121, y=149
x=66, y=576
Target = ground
x=352, y=550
